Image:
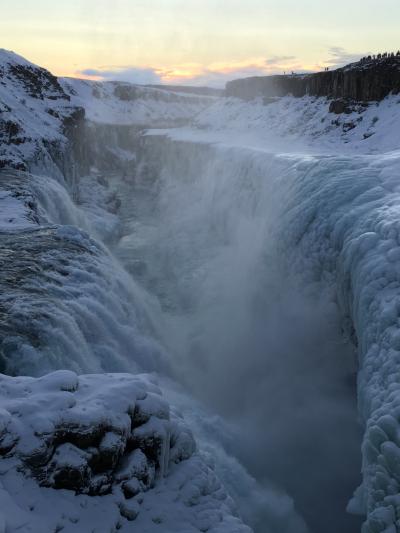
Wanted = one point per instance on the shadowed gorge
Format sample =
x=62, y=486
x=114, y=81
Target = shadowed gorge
x=251, y=341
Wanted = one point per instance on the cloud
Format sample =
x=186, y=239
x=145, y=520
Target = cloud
x=131, y=74
x=340, y=57
x=279, y=60
x=213, y=75
x=218, y=73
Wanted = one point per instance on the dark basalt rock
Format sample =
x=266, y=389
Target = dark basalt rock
x=339, y=106
x=74, y=118
x=126, y=93
x=364, y=81
x=129, y=93
x=38, y=82
x=9, y=163
x=11, y=133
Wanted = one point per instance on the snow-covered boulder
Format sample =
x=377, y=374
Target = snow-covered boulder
x=96, y=452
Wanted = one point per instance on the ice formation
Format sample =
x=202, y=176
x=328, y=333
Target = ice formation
x=100, y=453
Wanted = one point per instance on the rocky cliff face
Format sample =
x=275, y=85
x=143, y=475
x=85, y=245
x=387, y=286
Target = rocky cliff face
x=39, y=125
x=365, y=81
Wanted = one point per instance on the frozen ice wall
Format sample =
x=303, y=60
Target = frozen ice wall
x=275, y=261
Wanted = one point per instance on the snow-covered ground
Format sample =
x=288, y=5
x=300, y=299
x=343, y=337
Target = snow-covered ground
x=300, y=125
x=127, y=104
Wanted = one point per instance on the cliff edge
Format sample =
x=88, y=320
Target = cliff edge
x=366, y=80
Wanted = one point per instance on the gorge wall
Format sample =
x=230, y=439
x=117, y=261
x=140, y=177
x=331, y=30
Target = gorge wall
x=366, y=80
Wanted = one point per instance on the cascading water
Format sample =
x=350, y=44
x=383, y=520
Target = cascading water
x=207, y=230
x=213, y=303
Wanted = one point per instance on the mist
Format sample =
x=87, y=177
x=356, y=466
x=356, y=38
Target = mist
x=248, y=337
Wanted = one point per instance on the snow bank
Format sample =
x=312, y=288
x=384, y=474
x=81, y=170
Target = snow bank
x=98, y=453
x=305, y=124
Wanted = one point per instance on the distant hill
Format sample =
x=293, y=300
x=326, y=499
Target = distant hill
x=204, y=91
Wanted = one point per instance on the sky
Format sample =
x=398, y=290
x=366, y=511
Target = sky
x=196, y=42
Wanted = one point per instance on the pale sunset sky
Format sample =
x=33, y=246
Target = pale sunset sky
x=203, y=42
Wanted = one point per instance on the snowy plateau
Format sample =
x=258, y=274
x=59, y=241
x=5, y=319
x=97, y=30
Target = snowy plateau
x=199, y=310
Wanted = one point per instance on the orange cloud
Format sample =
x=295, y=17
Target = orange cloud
x=214, y=74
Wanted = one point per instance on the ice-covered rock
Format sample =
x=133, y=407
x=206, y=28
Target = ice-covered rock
x=96, y=452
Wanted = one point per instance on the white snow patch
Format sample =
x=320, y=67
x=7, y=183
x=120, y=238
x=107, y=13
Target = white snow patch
x=14, y=214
